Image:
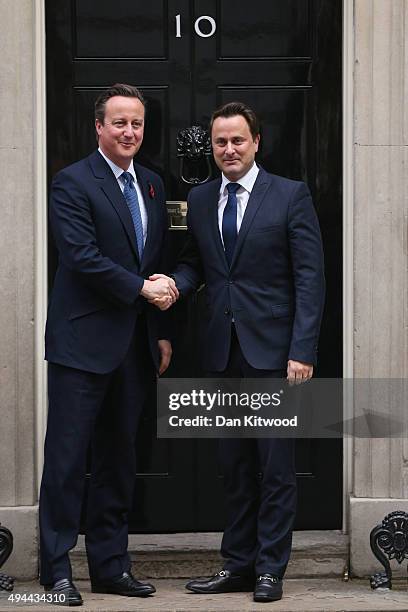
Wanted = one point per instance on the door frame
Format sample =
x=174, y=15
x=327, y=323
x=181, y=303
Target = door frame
x=348, y=245
x=40, y=234
x=41, y=247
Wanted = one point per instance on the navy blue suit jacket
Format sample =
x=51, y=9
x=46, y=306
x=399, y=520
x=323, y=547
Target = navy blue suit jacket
x=275, y=287
x=95, y=297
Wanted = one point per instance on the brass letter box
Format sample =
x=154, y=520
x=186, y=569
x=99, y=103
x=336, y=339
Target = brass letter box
x=177, y=214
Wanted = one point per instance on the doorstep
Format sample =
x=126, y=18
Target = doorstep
x=315, y=554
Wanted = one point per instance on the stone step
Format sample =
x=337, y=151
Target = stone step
x=315, y=554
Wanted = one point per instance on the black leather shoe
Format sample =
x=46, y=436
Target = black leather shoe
x=222, y=582
x=124, y=585
x=64, y=593
x=268, y=588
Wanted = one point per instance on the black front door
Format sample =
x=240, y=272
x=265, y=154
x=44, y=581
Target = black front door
x=189, y=56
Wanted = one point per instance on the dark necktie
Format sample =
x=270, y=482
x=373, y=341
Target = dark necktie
x=229, y=221
x=132, y=200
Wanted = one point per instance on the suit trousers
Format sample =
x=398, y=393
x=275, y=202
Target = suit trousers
x=100, y=411
x=260, y=486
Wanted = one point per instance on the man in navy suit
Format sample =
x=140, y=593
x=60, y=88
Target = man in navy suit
x=104, y=345
x=254, y=240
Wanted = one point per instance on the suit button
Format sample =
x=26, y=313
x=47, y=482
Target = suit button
x=231, y=282
x=227, y=311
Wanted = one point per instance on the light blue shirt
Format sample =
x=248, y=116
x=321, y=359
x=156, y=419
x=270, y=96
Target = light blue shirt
x=118, y=172
x=247, y=183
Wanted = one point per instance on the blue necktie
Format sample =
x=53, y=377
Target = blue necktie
x=132, y=200
x=229, y=221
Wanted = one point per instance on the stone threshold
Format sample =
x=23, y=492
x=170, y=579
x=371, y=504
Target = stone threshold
x=315, y=554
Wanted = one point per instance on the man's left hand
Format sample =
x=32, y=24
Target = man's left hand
x=165, y=355
x=299, y=372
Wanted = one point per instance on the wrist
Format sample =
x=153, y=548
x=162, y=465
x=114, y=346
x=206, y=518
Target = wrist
x=145, y=290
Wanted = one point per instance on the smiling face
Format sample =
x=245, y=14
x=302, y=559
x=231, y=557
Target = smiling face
x=121, y=133
x=234, y=147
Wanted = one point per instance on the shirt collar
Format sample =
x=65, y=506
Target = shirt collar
x=247, y=181
x=117, y=171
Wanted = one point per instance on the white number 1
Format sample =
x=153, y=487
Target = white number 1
x=178, y=26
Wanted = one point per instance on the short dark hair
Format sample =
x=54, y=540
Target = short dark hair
x=231, y=109
x=119, y=89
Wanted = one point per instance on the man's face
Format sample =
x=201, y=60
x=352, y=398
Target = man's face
x=233, y=145
x=121, y=133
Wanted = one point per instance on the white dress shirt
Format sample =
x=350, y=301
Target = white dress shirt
x=117, y=172
x=243, y=193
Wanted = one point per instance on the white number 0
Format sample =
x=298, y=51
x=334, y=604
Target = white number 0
x=210, y=20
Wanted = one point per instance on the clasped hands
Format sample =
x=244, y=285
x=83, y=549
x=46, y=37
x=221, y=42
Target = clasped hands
x=160, y=290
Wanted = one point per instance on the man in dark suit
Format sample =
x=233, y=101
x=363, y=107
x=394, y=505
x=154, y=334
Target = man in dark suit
x=104, y=345
x=254, y=240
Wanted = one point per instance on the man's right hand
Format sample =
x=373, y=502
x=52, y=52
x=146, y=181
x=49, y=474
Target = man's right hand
x=162, y=288
x=164, y=302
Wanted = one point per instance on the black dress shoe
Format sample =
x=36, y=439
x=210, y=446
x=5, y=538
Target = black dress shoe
x=222, y=582
x=64, y=593
x=268, y=588
x=124, y=585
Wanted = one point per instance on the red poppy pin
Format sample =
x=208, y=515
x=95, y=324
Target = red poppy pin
x=151, y=190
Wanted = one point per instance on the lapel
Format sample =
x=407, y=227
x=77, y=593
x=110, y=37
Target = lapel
x=255, y=199
x=151, y=217
x=213, y=198
x=111, y=189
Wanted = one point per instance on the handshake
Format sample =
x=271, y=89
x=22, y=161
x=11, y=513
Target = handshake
x=160, y=290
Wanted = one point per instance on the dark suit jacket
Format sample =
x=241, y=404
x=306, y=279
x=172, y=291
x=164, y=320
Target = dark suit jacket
x=275, y=287
x=95, y=298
